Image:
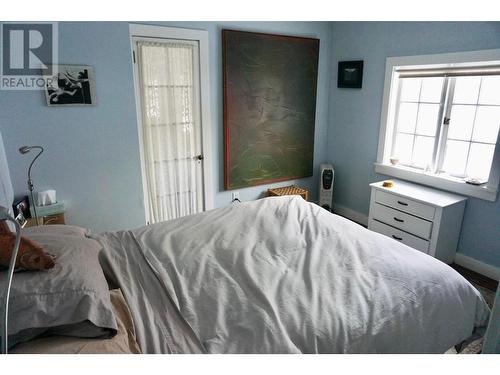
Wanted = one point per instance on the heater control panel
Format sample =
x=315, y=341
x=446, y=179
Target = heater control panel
x=326, y=186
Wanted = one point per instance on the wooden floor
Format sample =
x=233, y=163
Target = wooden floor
x=477, y=278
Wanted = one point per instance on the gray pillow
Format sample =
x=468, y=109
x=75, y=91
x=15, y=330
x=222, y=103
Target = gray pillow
x=72, y=299
x=57, y=229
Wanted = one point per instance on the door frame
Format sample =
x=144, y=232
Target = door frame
x=200, y=36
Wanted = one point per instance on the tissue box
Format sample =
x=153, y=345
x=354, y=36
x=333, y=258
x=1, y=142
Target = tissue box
x=46, y=198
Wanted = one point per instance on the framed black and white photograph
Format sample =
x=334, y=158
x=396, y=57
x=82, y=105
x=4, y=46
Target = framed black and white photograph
x=350, y=74
x=21, y=210
x=71, y=85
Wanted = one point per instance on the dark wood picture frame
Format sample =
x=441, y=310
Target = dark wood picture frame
x=269, y=88
x=350, y=74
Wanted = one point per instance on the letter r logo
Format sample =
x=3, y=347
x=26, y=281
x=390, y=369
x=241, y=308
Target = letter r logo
x=28, y=49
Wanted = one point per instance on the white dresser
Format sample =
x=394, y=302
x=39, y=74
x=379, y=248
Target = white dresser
x=426, y=219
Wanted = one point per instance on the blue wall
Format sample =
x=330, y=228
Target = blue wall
x=92, y=154
x=355, y=114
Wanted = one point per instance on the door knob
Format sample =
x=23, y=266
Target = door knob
x=199, y=157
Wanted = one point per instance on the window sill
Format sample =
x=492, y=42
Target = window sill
x=439, y=182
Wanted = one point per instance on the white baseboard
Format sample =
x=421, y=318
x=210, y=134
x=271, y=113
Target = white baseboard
x=477, y=266
x=462, y=260
x=355, y=216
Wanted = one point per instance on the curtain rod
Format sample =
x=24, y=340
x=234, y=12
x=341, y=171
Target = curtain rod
x=449, y=72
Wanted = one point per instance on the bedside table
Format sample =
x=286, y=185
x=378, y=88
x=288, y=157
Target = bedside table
x=46, y=220
x=426, y=219
x=47, y=215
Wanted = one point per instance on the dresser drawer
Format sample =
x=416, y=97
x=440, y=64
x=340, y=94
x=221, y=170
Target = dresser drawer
x=399, y=235
x=405, y=204
x=401, y=220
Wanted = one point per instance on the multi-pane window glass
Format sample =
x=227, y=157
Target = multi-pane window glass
x=417, y=120
x=473, y=129
x=467, y=140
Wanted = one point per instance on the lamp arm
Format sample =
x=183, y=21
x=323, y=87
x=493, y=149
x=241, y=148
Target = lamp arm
x=29, y=169
x=10, y=274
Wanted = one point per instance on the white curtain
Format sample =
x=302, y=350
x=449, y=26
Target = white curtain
x=171, y=133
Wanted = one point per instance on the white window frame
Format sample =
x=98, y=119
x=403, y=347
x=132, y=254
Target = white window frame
x=200, y=36
x=387, y=122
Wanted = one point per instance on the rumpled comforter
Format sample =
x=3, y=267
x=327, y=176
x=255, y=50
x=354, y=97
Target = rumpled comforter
x=281, y=275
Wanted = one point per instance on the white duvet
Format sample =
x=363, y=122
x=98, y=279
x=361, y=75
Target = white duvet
x=280, y=275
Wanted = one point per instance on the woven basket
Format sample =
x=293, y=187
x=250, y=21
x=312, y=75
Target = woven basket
x=288, y=190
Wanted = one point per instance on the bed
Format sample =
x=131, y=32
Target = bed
x=281, y=275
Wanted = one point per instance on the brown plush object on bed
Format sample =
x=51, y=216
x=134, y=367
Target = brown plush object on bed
x=31, y=256
x=4, y=228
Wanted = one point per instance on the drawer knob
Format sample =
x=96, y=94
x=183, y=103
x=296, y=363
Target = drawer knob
x=397, y=238
x=399, y=220
x=402, y=203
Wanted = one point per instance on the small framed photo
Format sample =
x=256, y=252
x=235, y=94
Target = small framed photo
x=71, y=85
x=21, y=211
x=350, y=74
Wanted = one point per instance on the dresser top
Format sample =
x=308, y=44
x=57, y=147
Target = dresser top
x=420, y=193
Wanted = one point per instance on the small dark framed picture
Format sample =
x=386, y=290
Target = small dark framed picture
x=71, y=85
x=21, y=210
x=350, y=74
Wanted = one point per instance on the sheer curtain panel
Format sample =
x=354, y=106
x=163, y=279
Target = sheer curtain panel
x=171, y=132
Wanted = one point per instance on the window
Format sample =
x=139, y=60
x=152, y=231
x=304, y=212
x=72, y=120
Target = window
x=418, y=113
x=440, y=123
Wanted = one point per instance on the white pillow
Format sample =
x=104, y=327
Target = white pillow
x=72, y=299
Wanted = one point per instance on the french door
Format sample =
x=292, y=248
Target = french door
x=170, y=116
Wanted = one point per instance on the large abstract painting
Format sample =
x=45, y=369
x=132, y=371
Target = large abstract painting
x=269, y=107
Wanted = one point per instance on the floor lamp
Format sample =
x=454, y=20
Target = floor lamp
x=4, y=215
x=24, y=150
